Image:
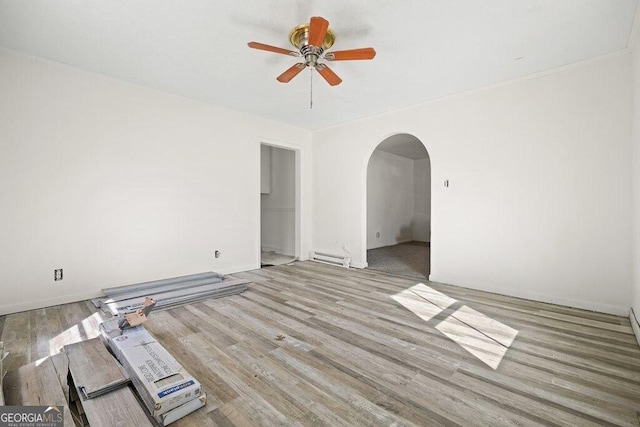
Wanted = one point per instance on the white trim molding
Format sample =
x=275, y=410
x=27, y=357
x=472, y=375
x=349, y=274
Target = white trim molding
x=635, y=325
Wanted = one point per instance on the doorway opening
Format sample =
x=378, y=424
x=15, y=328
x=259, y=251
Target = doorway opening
x=399, y=207
x=278, y=205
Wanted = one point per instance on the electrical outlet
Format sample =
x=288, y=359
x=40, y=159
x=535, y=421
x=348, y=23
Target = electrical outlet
x=217, y=254
x=57, y=274
x=377, y=234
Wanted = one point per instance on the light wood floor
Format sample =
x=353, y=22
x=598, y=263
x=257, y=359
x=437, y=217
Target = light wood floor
x=364, y=348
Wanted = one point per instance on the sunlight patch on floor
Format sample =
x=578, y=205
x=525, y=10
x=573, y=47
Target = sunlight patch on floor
x=480, y=335
x=485, y=338
x=42, y=359
x=84, y=330
x=424, y=301
x=492, y=328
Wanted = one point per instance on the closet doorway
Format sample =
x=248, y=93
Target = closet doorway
x=278, y=205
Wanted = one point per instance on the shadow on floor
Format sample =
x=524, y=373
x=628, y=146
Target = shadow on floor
x=271, y=258
x=405, y=259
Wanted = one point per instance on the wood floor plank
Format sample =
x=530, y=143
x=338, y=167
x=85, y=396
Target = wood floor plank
x=595, y=410
x=560, y=370
x=61, y=365
x=93, y=368
x=264, y=329
x=498, y=306
x=21, y=385
x=312, y=344
x=36, y=384
x=16, y=337
x=37, y=325
x=548, y=410
x=256, y=400
x=379, y=366
x=50, y=388
x=311, y=410
x=371, y=405
x=233, y=330
x=118, y=408
x=399, y=373
x=176, y=336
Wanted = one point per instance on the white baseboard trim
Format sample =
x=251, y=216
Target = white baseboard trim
x=47, y=302
x=617, y=310
x=238, y=269
x=360, y=265
x=386, y=244
x=280, y=251
x=634, y=324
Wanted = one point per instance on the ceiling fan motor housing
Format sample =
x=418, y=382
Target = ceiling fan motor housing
x=299, y=37
x=311, y=55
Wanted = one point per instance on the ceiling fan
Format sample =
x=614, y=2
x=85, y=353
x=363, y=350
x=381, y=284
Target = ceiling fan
x=312, y=40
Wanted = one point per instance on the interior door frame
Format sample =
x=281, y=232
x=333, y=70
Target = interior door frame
x=298, y=199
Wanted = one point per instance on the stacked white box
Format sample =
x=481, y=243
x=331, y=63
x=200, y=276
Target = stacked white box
x=119, y=340
x=166, y=388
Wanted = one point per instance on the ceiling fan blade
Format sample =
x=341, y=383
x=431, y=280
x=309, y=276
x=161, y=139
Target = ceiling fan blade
x=291, y=73
x=326, y=73
x=353, y=54
x=269, y=48
x=317, y=31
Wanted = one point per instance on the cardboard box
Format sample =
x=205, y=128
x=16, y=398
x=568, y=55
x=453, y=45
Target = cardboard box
x=182, y=410
x=168, y=391
x=122, y=339
x=110, y=329
x=163, y=384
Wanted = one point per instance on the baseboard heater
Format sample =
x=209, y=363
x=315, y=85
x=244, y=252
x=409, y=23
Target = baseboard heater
x=339, y=260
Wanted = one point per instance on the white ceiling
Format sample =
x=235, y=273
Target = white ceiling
x=426, y=48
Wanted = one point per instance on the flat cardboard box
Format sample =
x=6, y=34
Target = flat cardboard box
x=163, y=384
x=110, y=329
x=182, y=410
x=119, y=340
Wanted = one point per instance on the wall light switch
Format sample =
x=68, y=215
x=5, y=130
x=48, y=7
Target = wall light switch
x=446, y=183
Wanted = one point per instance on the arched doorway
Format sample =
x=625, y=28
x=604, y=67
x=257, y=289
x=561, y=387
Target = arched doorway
x=399, y=207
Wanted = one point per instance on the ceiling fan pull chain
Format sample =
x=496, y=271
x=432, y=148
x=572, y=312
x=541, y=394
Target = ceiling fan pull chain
x=311, y=89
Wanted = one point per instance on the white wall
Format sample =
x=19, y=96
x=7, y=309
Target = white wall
x=635, y=159
x=278, y=207
x=538, y=204
x=398, y=200
x=390, y=194
x=118, y=184
x=422, y=200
